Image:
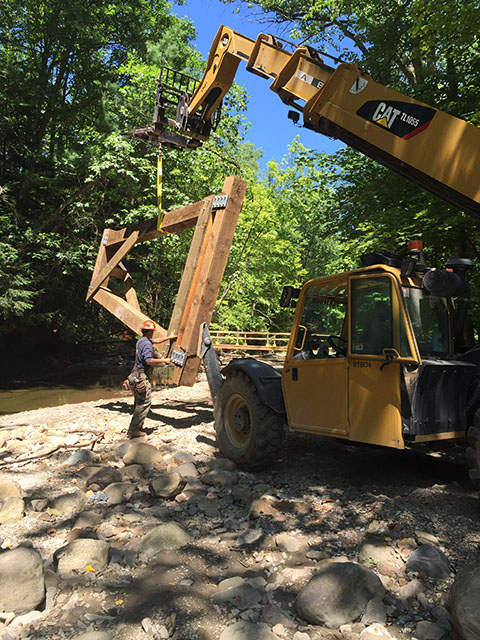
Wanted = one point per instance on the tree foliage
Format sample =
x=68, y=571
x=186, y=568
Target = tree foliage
x=419, y=47
x=75, y=76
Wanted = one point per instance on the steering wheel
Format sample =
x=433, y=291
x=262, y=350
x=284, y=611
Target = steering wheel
x=340, y=350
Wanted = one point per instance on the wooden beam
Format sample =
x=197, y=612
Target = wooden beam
x=126, y=313
x=173, y=221
x=180, y=219
x=205, y=288
x=201, y=278
x=118, y=256
x=101, y=260
x=194, y=259
x=130, y=293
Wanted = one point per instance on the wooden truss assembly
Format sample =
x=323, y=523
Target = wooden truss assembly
x=215, y=219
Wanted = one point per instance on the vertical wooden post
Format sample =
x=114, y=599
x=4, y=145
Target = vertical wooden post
x=204, y=288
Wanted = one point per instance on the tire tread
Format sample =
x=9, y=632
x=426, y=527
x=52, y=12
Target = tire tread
x=269, y=431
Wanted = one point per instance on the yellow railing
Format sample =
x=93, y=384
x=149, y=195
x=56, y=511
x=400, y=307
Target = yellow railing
x=250, y=340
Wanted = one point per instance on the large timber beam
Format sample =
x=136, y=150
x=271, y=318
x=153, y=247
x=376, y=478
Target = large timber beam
x=206, y=279
x=215, y=219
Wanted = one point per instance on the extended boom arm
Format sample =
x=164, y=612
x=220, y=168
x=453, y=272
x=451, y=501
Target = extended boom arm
x=438, y=151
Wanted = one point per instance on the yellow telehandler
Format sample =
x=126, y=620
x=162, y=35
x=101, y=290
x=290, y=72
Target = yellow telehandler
x=379, y=354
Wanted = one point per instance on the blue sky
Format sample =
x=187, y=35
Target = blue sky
x=270, y=128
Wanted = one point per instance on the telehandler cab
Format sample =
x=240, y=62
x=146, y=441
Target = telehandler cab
x=376, y=355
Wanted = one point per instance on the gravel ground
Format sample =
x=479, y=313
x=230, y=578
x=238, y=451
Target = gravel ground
x=338, y=496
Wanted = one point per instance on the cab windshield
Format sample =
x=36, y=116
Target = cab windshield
x=430, y=320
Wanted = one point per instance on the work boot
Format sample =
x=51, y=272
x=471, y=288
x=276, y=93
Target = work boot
x=134, y=433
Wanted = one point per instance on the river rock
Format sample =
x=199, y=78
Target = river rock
x=133, y=472
x=10, y=489
x=426, y=630
x=289, y=543
x=141, y=453
x=182, y=456
x=249, y=538
x=464, y=601
x=118, y=492
x=22, y=585
x=376, y=631
x=164, y=537
x=423, y=537
x=411, y=589
x=337, y=594
x=187, y=470
x=87, y=471
x=272, y=615
x=76, y=556
x=68, y=504
x=429, y=560
x=94, y=635
x=11, y=510
x=267, y=505
x=247, y=631
x=224, y=463
x=238, y=593
x=104, y=476
x=220, y=478
x=375, y=611
x=82, y=455
x=88, y=520
x=377, y=553
x=167, y=485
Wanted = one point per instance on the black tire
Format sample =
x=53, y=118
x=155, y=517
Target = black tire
x=473, y=451
x=248, y=432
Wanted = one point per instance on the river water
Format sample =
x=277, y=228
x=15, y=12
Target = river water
x=14, y=400
x=75, y=384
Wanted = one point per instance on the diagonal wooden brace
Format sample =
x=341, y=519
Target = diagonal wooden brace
x=216, y=219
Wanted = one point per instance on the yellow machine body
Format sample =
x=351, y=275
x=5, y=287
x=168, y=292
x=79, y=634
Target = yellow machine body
x=436, y=150
x=352, y=341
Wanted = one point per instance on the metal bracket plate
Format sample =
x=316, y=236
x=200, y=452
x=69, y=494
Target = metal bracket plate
x=220, y=202
x=178, y=357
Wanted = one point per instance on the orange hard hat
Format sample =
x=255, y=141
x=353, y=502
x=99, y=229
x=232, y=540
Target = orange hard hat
x=149, y=325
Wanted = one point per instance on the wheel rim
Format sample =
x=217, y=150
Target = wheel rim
x=237, y=420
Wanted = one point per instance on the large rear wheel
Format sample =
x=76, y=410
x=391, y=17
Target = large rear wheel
x=473, y=451
x=248, y=431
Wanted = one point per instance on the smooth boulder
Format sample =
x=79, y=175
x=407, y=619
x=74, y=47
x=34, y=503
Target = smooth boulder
x=80, y=556
x=337, y=594
x=464, y=602
x=22, y=584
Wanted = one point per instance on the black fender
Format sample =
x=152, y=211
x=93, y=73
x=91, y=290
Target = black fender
x=266, y=379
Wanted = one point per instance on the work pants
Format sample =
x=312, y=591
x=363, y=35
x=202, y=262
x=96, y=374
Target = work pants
x=142, y=393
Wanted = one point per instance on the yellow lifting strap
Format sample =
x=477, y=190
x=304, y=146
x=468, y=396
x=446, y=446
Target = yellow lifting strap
x=159, y=187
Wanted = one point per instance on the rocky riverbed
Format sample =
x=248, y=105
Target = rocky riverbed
x=104, y=538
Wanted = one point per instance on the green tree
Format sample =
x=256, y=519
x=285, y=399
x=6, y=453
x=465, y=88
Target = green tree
x=418, y=49
x=282, y=238
x=75, y=76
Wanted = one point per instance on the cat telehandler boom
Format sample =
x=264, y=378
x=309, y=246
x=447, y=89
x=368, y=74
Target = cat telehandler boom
x=380, y=354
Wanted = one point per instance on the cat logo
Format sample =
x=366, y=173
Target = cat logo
x=403, y=119
x=385, y=115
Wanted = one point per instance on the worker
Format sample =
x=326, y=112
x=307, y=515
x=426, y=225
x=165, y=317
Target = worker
x=139, y=378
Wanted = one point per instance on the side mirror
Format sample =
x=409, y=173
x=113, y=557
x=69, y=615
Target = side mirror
x=289, y=295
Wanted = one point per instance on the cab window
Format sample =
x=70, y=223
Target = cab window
x=430, y=320
x=323, y=315
x=376, y=321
